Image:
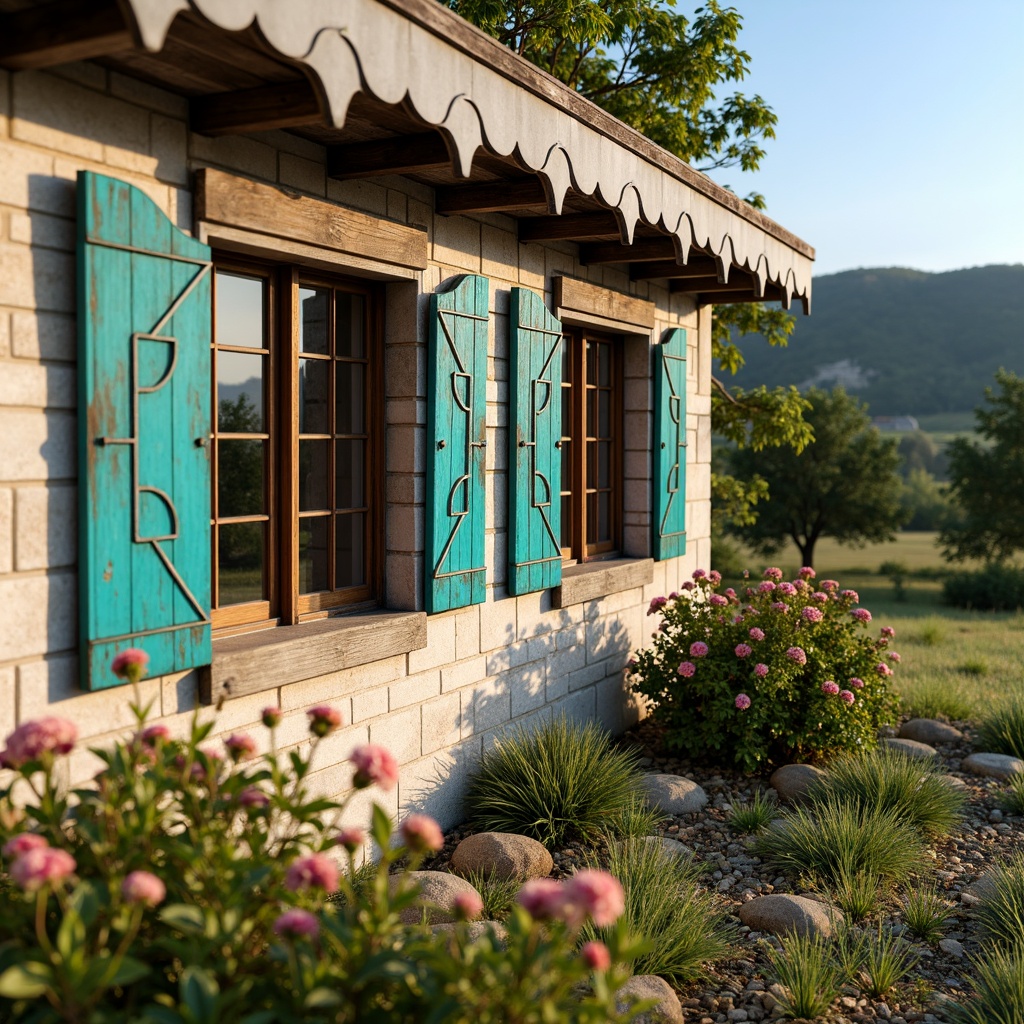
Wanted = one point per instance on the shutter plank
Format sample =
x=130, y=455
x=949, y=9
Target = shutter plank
x=670, y=446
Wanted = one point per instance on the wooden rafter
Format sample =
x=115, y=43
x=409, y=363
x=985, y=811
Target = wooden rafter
x=58, y=33
x=642, y=249
x=737, y=283
x=281, y=105
x=491, y=196
x=697, y=267
x=403, y=154
x=569, y=227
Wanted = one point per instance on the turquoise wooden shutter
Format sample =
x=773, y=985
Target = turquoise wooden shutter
x=144, y=419
x=456, y=445
x=670, y=445
x=535, y=461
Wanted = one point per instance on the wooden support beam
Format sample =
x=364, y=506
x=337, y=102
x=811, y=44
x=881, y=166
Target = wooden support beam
x=402, y=154
x=615, y=252
x=695, y=268
x=722, y=298
x=737, y=283
x=281, y=105
x=491, y=196
x=570, y=227
x=58, y=33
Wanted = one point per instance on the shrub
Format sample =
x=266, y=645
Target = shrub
x=887, y=779
x=837, y=839
x=785, y=672
x=994, y=588
x=756, y=815
x=1000, y=914
x=806, y=969
x=998, y=990
x=1002, y=730
x=681, y=927
x=925, y=912
x=562, y=781
x=189, y=886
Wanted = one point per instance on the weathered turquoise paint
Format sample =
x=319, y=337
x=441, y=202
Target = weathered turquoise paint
x=670, y=445
x=535, y=428
x=456, y=444
x=144, y=321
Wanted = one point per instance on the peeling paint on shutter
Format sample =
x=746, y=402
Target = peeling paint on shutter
x=144, y=420
x=670, y=445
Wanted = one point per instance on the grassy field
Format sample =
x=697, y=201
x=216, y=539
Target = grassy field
x=955, y=663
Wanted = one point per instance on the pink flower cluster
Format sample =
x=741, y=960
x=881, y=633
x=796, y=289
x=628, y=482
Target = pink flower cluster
x=36, y=863
x=797, y=654
x=850, y=595
x=687, y=668
x=829, y=585
x=829, y=687
x=742, y=701
x=888, y=632
x=781, y=607
x=766, y=586
x=588, y=893
x=861, y=614
x=350, y=838
x=596, y=955
x=857, y=684
x=744, y=650
x=698, y=649
x=422, y=834
x=699, y=574
x=656, y=605
x=807, y=573
x=760, y=670
x=718, y=600
x=297, y=924
x=323, y=720
x=894, y=657
x=787, y=588
x=43, y=736
x=240, y=746
x=313, y=872
x=143, y=888
x=271, y=717
x=773, y=574
x=756, y=634
x=820, y=597
x=812, y=614
x=130, y=664
x=714, y=577
x=375, y=766
x=882, y=669
x=847, y=696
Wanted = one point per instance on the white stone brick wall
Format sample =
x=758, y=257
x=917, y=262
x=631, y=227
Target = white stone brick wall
x=511, y=661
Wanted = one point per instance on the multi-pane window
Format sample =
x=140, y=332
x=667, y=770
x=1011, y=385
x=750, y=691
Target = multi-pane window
x=591, y=456
x=294, y=441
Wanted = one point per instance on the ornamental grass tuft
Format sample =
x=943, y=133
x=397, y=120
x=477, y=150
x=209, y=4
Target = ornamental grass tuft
x=1000, y=914
x=807, y=970
x=755, y=815
x=998, y=977
x=563, y=781
x=1002, y=730
x=888, y=959
x=859, y=894
x=888, y=780
x=1012, y=801
x=925, y=912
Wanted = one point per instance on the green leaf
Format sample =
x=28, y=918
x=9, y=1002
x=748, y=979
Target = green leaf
x=199, y=991
x=26, y=981
x=321, y=998
x=87, y=900
x=185, y=917
x=70, y=934
x=161, y=1015
x=381, y=827
x=130, y=970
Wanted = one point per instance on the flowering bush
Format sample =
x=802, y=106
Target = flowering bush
x=189, y=887
x=785, y=671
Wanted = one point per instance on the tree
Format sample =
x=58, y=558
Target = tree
x=658, y=71
x=987, y=478
x=843, y=485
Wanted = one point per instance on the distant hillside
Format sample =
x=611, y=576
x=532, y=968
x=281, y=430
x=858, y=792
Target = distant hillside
x=904, y=341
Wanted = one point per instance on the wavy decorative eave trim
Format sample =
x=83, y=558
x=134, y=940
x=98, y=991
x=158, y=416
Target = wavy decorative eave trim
x=354, y=46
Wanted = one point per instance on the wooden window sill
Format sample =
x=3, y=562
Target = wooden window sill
x=251, y=662
x=593, y=580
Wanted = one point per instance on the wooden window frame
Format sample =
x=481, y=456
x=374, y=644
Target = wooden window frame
x=578, y=491
x=285, y=605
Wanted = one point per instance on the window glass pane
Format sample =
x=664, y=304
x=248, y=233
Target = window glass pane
x=313, y=320
x=348, y=315
x=566, y=466
x=566, y=359
x=604, y=464
x=240, y=562
x=314, y=380
x=240, y=393
x=592, y=535
x=240, y=488
x=314, y=473
x=566, y=412
x=350, y=550
x=604, y=414
x=591, y=412
x=566, y=523
x=350, y=474
x=350, y=398
x=239, y=310
x=313, y=554
x=592, y=362
x=604, y=517
x=591, y=464
x=605, y=360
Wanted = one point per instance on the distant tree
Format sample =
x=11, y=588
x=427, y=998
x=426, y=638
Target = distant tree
x=842, y=485
x=918, y=451
x=987, y=478
x=925, y=500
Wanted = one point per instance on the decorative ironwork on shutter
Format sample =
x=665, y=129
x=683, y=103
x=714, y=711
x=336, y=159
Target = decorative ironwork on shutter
x=456, y=445
x=144, y=420
x=670, y=446
x=535, y=459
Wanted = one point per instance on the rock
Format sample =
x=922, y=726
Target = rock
x=984, y=888
x=1002, y=766
x=476, y=929
x=954, y=781
x=951, y=947
x=672, y=794
x=669, y=848
x=909, y=747
x=503, y=855
x=782, y=913
x=438, y=890
x=792, y=781
x=667, y=1010
x=929, y=730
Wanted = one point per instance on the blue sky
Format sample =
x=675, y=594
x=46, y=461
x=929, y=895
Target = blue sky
x=901, y=128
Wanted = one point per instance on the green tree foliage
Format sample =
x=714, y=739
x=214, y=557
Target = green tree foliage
x=918, y=451
x=987, y=478
x=842, y=485
x=240, y=481
x=925, y=500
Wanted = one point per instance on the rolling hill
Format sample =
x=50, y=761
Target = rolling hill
x=905, y=341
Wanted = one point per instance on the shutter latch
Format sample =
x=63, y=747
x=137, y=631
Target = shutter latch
x=478, y=444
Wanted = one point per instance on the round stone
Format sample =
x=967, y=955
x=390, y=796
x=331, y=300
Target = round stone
x=642, y=987
x=781, y=913
x=438, y=890
x=792, y=781
x=951, y=947
x=502, y=855
x=1002, y=766
x=476, y=930
x=672, y=794
x=668, y=848
x=909, y=747
x=929, y=730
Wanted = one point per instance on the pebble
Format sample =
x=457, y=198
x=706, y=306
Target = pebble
x=952, y=947
x=1001, y=766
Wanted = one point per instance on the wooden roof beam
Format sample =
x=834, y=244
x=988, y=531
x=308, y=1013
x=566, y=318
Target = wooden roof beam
x=642, y=249
x=697, y=267
x=737, y=283
x=58, y=33
x=491, y=196
x=570, y=227
x=404, y=154
x=280, y=105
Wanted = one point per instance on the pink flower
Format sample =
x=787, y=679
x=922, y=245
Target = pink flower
x=812, y=614
x=271, y=717
x=772, y=574
x=323, y=720
x=41, y=866
x=699, y=574
x=847, y=696
x=730, y=593
x=861, y=614
x=143, y=888
x=787, y=588
x=766, y=586
x=797, y=654
x=746, y=574
x=743, y=650
x=253, y=799
x=698, y=649
x=673, y=595
x=206, y=765
x=375, y=766
x=297, y=924
x=807, y=573
x=756, y=634
x=240, y=747
x=882, y=669
x=857, y=684
x=830, y=688
x=888, y=631
x=850, y=595
x=829, y=585
x=718, y=600
x=596, y=956
x=714, y=577
x=598, y=894
x=312, y=872
x=819, y=597
x=894, y=657
x=153, y=735
x=687, y=668
x=468, y=906
x=130, y=664
x=542, y=899
x=422, y=834
x=737, y=619
x=23, y=843
x=687, y=586
x=781, y=607
x=742, y=701
x=656, y=605
x=30, y=741
x=351, y=838
x=760, y=670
